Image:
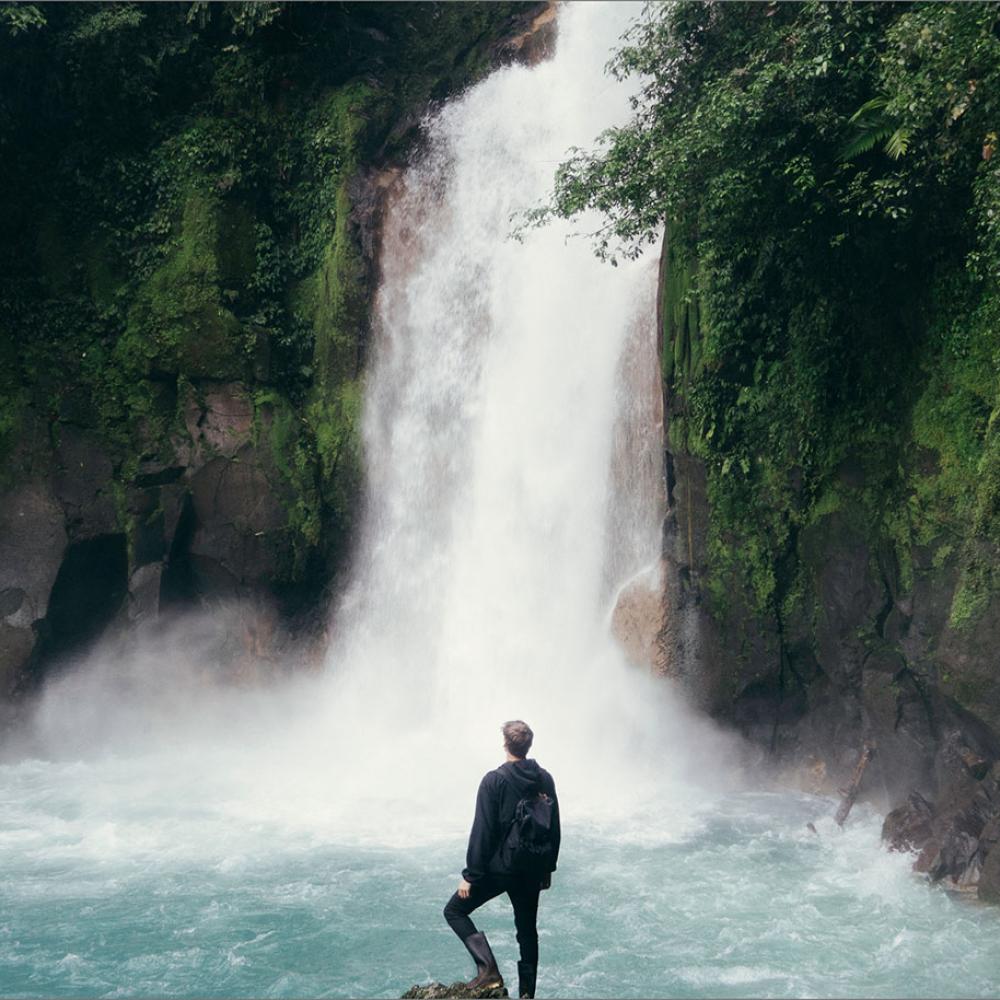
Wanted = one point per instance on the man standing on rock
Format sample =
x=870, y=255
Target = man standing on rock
x=513, y=848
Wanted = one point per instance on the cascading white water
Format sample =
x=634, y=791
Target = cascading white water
x=512, y=441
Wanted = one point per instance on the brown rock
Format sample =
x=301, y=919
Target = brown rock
x=638, y=620
x=82, y=484
x=538, y=42
x=219, y=421
x=240, y=533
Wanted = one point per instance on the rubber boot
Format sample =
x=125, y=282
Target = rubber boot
x=488, y=975
x=526, y=973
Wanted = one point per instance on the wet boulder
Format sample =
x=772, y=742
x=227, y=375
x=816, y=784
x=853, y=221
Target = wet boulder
x=438, y=991
x=989, y=862
x=638, y=622
x=956, y=836
x=908, y=827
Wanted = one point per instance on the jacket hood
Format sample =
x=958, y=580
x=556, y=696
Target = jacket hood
x=525, y=775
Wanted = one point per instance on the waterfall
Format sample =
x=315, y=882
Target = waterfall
x=512, y=439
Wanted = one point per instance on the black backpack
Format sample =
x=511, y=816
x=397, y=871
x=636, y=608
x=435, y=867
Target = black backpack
x=527, y=848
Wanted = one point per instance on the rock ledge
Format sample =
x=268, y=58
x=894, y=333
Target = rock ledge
x=438, y=991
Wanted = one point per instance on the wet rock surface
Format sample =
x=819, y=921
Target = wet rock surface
x=638, y=623
x=32, y=542
x=438, y=991
x=204, y=517
x=957, y=837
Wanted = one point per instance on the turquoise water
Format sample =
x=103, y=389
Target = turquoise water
x=112, y=895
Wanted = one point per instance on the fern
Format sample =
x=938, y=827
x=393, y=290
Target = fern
x=898, y=143
x=874, y=126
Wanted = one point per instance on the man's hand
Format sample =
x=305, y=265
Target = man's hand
x=464, y=888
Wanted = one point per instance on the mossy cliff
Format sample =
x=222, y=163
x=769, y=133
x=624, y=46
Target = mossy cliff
x=191, y=226
x=858, y=606
x=827, y=179
x=857, y=602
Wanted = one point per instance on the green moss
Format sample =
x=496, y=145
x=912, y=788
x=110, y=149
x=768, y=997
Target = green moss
x=339, y=297
x=178, y=322
x=293, y=457
x=829, y=502
x=972, y=595
x=236, y=248
x=680, y=308
x=334, y=421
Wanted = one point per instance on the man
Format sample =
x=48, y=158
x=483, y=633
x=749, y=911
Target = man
x=517, y=789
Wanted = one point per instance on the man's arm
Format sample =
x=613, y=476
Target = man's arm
x=556, y=830
x=483, y=839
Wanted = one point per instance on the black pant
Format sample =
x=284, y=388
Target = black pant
x=523, y=895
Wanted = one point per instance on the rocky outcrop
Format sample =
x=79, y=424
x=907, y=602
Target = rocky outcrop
x=956, y=840
x=207, y=517
x=32, y=543
x=537, y=41
x=438, y=991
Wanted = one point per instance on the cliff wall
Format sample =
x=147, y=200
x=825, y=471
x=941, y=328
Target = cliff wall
x=871, y=622
x=188, y=265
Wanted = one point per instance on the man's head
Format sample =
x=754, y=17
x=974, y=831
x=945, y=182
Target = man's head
x=517, y=737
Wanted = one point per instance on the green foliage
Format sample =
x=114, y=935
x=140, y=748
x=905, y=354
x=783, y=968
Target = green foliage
x=21, y=17
x=177, y=207
x=827, y=178
x=873, y=125
x=178, y=323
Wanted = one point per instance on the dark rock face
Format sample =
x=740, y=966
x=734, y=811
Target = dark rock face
x=87, y=594
x=207, y=518
x=81, y=483
x=956, y=840
x=908, y=827
x=989, y=873
x=32, y=543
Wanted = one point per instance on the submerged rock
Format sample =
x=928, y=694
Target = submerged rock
x=438, y=991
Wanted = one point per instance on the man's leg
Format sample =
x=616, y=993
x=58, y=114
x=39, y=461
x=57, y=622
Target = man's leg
x=457, y=910
x=524, y=898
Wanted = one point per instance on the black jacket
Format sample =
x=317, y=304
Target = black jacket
x=495, y=805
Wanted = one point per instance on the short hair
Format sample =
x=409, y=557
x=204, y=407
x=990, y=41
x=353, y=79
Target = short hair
x=517, y=737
